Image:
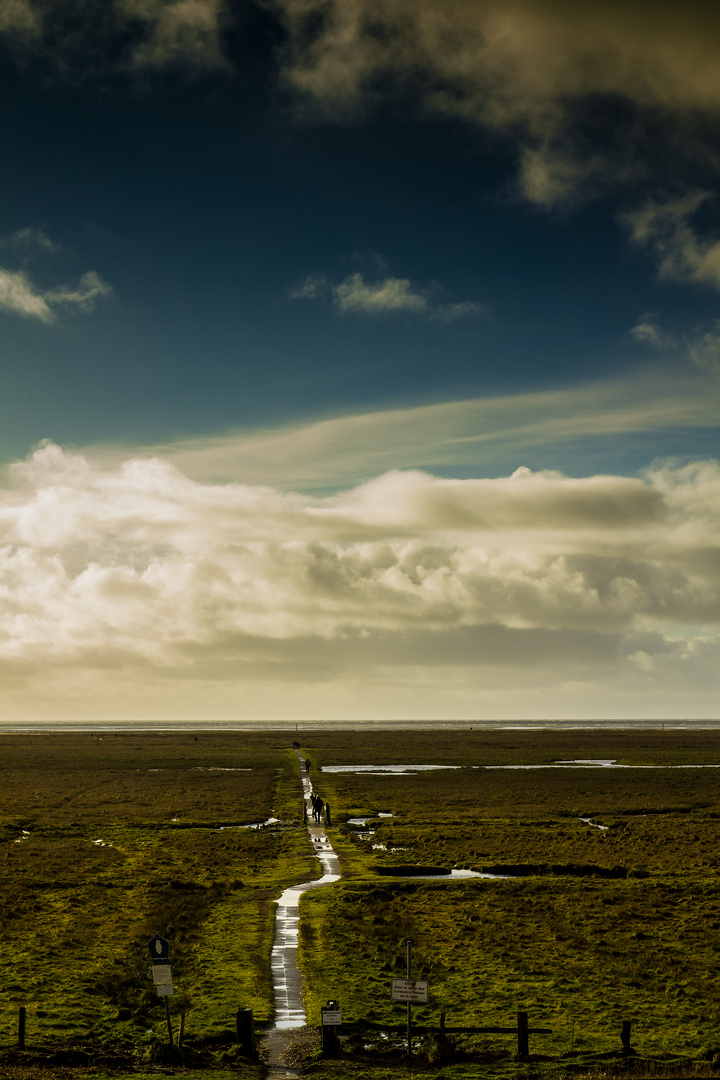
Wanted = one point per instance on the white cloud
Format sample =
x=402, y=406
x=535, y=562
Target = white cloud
x=681, y=254
x=377, y=297
x=648, y=331
x=20, y=296
x=387, y=295
x=135, y=583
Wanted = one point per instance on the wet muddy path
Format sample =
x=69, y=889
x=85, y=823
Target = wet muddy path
x=286, y=974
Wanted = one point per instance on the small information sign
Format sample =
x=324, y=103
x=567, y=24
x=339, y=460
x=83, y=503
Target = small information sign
x=412, y=991
x=331, y=1016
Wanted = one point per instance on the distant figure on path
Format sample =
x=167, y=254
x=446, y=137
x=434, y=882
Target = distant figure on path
x=307, y=766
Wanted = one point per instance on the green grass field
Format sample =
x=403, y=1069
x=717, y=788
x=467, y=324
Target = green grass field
x=600, y=925
x=106, y=841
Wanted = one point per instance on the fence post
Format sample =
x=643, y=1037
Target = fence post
x=625, y=1036
x=522, y=1030
x=328, y=822
x=21, y=1027
x=246, y=1031
x=442, y=1032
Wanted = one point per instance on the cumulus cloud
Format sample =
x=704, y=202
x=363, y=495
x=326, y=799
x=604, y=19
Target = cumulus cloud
x=20, y=296
x=377, y=297
x=137, y=569
x=383, y=296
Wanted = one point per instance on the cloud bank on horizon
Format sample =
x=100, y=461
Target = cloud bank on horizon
x=135, y=587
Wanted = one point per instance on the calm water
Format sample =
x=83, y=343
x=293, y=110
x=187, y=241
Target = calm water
x=309, y=726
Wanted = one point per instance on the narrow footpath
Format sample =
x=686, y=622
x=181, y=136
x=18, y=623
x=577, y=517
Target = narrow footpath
x=286, y=975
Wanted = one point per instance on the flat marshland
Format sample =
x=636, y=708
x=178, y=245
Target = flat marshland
x=611, y=918
x=107, y=840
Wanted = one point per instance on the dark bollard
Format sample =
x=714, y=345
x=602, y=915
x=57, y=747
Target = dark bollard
x=246, y=1032
x=522, y=1029
x=625, y=1037
x=328, y=822
x=21, y=1027
x=329, y=1030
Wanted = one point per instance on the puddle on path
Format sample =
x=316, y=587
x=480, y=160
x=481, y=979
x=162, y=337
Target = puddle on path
x=254, y=825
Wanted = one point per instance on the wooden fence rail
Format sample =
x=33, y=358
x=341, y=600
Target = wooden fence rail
x=521, y=1030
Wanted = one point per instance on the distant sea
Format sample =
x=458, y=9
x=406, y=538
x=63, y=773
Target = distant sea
x=270, y=726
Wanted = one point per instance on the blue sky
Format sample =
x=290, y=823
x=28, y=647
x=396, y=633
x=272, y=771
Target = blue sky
x=281, y=250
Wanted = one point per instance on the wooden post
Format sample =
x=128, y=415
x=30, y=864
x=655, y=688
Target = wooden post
x=625, y=1036
x=21, y=1027
x=181, y=1036
x=409, y=1007
x=304, y=812
x=522, y=1030
x=442, y=1032
x=328, y=822
x=246, y=1031
x=167, y=1017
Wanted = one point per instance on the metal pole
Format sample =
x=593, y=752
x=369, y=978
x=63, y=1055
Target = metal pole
x=167, y=1016
x=409, y=1007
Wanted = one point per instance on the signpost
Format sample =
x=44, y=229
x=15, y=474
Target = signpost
x=162, y=974
x=411, y=991
x=331, y=1019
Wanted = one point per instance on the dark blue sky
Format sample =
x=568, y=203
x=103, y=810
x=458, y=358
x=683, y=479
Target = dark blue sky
x=205, y=198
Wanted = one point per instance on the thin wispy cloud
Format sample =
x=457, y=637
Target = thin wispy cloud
x=648, y=331
x=30, y=240
x=475, y=434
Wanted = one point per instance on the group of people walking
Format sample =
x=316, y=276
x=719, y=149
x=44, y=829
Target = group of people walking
x=317, y=807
